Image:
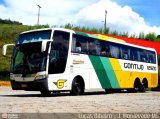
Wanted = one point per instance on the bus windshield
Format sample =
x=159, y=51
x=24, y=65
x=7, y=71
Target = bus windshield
x=28, y=58
x=35, y=36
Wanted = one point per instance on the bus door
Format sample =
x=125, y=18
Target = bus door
x=58, y=74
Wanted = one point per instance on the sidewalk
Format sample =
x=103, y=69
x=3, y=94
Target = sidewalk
x=5, y=83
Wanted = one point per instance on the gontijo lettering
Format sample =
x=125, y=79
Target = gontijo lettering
x=133, y=66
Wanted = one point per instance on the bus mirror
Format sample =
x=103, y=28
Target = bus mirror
x=43, y=47
x=4, y=49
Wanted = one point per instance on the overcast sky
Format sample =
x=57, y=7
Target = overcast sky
x=133, y=16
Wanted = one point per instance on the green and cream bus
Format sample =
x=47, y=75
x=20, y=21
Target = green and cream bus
x=58, y=59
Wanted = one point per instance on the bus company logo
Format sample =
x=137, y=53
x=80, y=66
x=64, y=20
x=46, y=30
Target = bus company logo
x=4, y=115
x=78, y=62
x=60, y=83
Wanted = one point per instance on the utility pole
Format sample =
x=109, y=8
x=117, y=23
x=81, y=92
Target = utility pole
x=105, y=21
x=39, y=7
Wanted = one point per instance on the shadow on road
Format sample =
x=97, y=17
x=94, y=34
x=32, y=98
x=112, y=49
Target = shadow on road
x=58, y=94
x=54, y=94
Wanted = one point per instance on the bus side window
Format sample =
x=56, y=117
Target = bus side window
x=92, y=48
x=143, y=56
x=103, y=52
x=151, y=57
x=84, y=46
x=98, y=48
x=135, y=53
x=125, y=52
x=114, y=50
x=80, y=44
x=59, y=52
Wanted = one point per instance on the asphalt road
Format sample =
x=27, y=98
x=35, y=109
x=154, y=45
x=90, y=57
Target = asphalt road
x=91, y=102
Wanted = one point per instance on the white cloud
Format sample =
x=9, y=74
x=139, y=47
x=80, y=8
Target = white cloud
x=120, y=18
x=53, y=12
x=85, y=13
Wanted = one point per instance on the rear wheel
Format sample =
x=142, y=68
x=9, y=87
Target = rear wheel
x=45, y=93
x=144, y=86
x=137, y=86
x=77, y=87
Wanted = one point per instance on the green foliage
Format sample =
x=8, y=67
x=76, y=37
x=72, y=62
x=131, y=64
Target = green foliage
x=114, y=33
x=157, y=39
x=133, y=36
x=141, y=35
x=68, y=26
x=125, y=34
x=106, y=31
x=8, y=21
x=151, y=36
x=94, y=30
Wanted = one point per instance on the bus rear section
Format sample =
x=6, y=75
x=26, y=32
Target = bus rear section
x=108, y=64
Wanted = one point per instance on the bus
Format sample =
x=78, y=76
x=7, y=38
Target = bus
x=59, y=59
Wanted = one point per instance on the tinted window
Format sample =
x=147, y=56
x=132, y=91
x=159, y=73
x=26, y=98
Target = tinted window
x=125, y=52
x=104, y=49
x=143, y=56
x=92, y=46
x=133, y=54
x=59, y=52
x=114, y=50
x=151, y=57
x=80, y=44
x=34, y=36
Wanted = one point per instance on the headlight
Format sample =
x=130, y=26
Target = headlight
x=40, y=77
x=12, y=77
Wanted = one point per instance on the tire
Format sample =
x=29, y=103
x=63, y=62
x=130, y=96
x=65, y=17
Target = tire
x=45, y=93
x=137, y=86
x=144, y=86
x=77, y=87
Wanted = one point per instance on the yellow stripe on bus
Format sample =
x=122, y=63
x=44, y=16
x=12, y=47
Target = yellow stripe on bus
x=126, y=78
x=106, y=38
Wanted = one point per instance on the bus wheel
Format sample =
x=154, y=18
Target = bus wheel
x=45, y=93
x=77, y=87
x=137, y=86
x=144, y=86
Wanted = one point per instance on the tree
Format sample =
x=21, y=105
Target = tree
x=141, y=35
x=151, y=36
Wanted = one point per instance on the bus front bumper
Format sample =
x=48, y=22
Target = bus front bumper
x=36, y=85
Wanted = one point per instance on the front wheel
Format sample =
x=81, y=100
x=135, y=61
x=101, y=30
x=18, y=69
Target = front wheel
x=77, y=87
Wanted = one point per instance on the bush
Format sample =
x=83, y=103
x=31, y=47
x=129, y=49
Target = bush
x=151, y=36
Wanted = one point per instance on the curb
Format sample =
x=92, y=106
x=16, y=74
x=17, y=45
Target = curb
x=5, y=83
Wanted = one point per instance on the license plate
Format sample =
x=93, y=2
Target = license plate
x=24, y=85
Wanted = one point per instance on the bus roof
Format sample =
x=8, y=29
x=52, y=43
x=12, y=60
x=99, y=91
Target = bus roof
x=111, y=39
x=61, y=29
x=96, y=36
